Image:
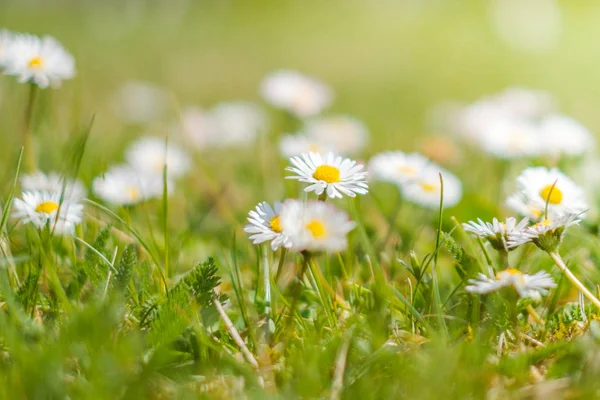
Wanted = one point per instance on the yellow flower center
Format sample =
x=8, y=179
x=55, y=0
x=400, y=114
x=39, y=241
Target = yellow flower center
x=510, y=272
x=133, y=193
x=313, y=147
x=546, y=222
x=275, y=224
x=428, y=187
x=316, y=228
x=47, y=207
x=327, y=173
x=36, y=63
x=552, y=194
x=406, y=169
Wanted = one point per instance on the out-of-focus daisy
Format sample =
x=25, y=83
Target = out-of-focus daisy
x=532, y=286
x=525, y=207
x=496, y=232
x=331, y=174
x=265, y=225
x=42, y=61
x=563, y=135
x=297, y=144
x=315, y=226
x=139, y=102
x=45, y=209
x=53, y=182
x=5, y=38
x=547, y=234
x=199, y=128
x=238, y=123
x=397, y=167
x=426, y=189
x=150, y=154
x=124, y=185
x=347, y=135
x=299, y=94
x=511, y=138
x=539, y=185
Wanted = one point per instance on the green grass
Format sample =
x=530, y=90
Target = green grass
x=128, y=308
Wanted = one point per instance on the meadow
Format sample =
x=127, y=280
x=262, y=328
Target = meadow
x=226, y=199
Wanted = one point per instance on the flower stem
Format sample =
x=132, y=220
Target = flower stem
x=29, y=153
x=563, y=267
x=280, y=265
x=323, y=197
x=266, y=281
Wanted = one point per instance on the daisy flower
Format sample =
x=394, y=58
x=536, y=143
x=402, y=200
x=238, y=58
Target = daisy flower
x=547, y=234
x=397, y=167
x=139, y=102
x=532, y=286
x=297, y=144
x=42, y=61
x=238, y=122
x=330, y=174
x=511, y=138
x=347, y=135
x=150, y=154
x=315, y=226
x=53, y=182
x=5, y=38
x=45, y=209
x=563, y=135
x=538, y=185
x=496, y=232
x=199, y=128
x=426, y=189
x=299, y=94
x=124, y=185
x=265, y=225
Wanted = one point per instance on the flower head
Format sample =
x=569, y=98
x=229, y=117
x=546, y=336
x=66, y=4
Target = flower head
x=124, y=185
x=265, y=225
x=315, y=226
x=344, y=134
x=547, y=234
x=426, y=189
x=297, y=93
x=496, y=232
x=532, y=286
x=45, y=209
x=73, y=189
x=539, y=186
x=397, y=167
x=332, y=174
x=150, y=154
x=139, y=102
x=292, y=145
x=42, y=61
x=5, y=38
x=238, y=122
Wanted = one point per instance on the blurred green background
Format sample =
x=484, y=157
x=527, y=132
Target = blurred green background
x=388, y=61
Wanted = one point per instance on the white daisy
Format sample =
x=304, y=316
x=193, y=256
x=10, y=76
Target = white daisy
x=495, y=232
x=138, y=102
x=238, y=122
x=42, y=61
x=526, y=207
x=532, y=286
x=563, y=135
x=265, y=225
x=547, y=234
x=199, y=128
x=291, y=145
x=511, y=138
x=315, y=226
x=538, y=185
x=397, y=167
x=124, y=185
x=347, y=135
x=426, y=189
x=149, y=155
x=45, y=209
x=53, y=182
x=5, y=39
x=297, y=93
x=331, y=174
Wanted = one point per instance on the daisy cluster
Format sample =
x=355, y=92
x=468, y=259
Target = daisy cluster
x=521, y=123
x=42, y=61
x=142, y=177
x=312, y=225
x=417, y=178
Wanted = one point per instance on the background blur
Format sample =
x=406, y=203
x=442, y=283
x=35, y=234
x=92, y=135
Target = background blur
x=389, y=62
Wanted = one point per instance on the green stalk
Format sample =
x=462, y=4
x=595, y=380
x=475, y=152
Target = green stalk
x=29, y=156
x=563, y=267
